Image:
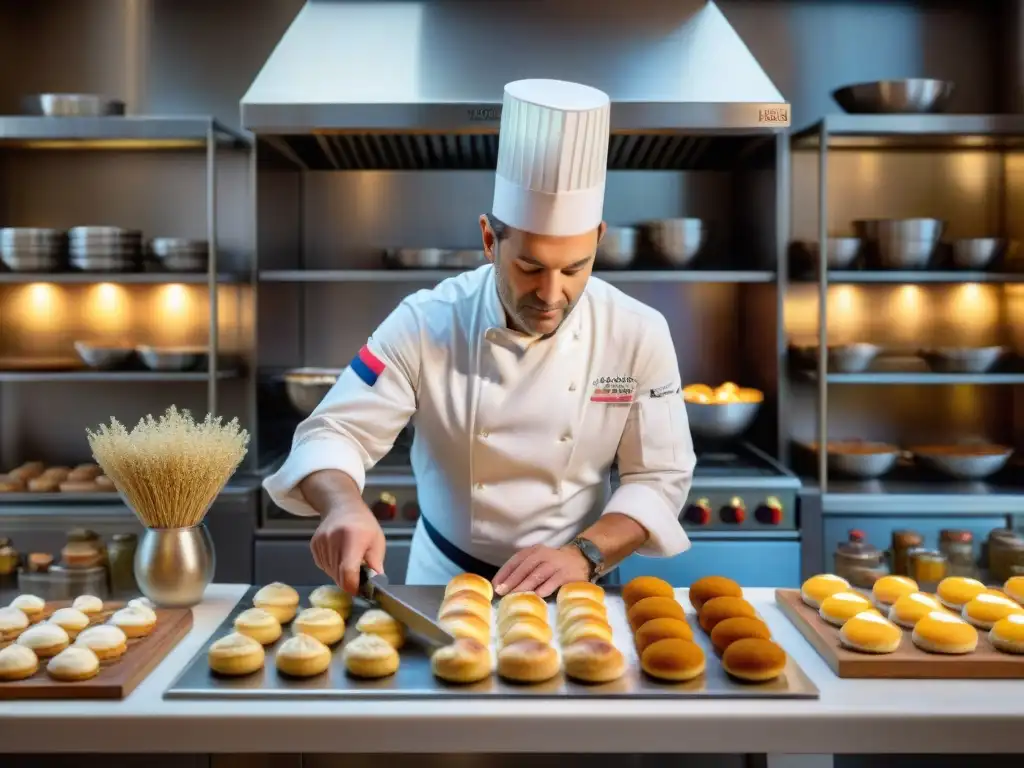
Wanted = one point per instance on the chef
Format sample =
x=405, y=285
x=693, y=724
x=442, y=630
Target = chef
x=525, y=380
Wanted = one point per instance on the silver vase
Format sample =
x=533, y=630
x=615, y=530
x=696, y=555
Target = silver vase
x=173, y=566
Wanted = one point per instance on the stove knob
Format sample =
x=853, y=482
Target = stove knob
x=735, y=512
x=699, y=513
x=385, y=508
x=769, y=513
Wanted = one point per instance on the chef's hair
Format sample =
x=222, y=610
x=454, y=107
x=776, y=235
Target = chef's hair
x=498, y=227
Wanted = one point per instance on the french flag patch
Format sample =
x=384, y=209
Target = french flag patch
x=367, y=366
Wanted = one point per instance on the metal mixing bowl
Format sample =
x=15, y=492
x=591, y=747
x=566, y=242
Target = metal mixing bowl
x=861, y=459
x=962, y=359
x=617, y=248
x=900, y=243
x=71, y=105
x=306, y=387
x=100, y=356
x=676, y=241
x=964, y=462
x=172, y=358
x=721, y=420
x=31, y=249
x=839, y=251
x=179, y=254
x=842, y=358
x=976, y=252
x=895, y=97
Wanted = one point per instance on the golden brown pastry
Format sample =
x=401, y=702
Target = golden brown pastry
x=586, y=628
x=942, y=632
x=817, y=588
x=17, y=663
x=105, y=640
x=27, y=471
x=87, y=471
x=370, y=657
x=525, y=628
x=839, y=608
x=463, y=662
x=593, y=661
x=10, y=484
x=528, y=661
x=90, y=605
x=466, y=624
x=332, y=597
x=324, y=624
x=134, y=622
x=466, y=601
x=31, y=606
x=955, y=592
x=258, y=624
x=910, y=609
x=577, y=589
x=377, y=622
x=280, y=600
x=985, y=610
x=302, y=656
x=711, y=587
x=649, y=608
x=473, y=583
x=58, y=473
x=646, y=586
x=104, y=483
x=1014, y=588
x=73, y=664
x=673, y=660
x=721, y=608
x=522, y=604
x=43, y=484
x=754, y=660
x=13, y=622
x=1008, y=634
x=661, y=629
x=71, y=620
x=44, y=640
x=728, y=631
x=870, y=632
x=78, y=486
x=143, y=604
x=580, y=609
x=888, y=589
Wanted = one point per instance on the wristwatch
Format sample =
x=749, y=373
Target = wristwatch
x=592, y=554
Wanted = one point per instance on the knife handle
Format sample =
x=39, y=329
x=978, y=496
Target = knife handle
x=365, y=574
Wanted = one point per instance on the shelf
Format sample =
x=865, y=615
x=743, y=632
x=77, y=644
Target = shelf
x=134, y=132
x=113, y=376
x=435, y=275
x=839, y=277
x=915, y=131
x=892, y=377
x=119, y=278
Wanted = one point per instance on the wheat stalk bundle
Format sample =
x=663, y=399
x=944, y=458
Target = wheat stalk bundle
x=170, y=470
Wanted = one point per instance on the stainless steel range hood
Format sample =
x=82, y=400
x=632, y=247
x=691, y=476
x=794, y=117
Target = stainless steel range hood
x=417, y=84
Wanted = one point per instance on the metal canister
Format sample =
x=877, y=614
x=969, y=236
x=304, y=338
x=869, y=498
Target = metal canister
x=928, y=567
x=903, y=541
x=859, y=562
x=122, y=564
x=958, y=547
x=1006, y=556
x=995, y=536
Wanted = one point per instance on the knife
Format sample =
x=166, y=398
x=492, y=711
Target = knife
x=374, y=587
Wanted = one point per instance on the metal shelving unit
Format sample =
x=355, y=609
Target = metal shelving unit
x=117, y=278
x=935, y=277
x=436, y=275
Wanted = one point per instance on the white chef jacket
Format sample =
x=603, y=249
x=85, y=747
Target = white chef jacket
x=513, y=435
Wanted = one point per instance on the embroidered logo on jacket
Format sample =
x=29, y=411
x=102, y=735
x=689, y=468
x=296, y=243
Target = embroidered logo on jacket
x=367, y=366
x=613, y=389
x=668, y=389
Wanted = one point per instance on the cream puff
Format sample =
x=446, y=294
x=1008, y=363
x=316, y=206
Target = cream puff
x=259, y=624
x=71, y=619
x=466, y=601
x=73, y=664
x=377, y=622
x=133, y=621
x=870, y=632
x=673, y=660
x=661, y=629
x=31, y=606
x=588, y=629
x=303, y=656
x=278, y=599
x=333, y=598
x=888, y=589
x=649, y=608
x=463, y=662
x=711, y=587
x=235, y=655
x=722, y=608
x=955, y=592
x=728, y=631
x=593, y=661
x=522, y=604
x=13, y=622
x=646, y=586
x=1008, y=634
x=942, y=632
x=1014, y=588
x=910, y=609
x=466, y=624
x=141, y=602
x=105, y=640
x=325, y=624
x=817, y=588
x=90, y=605
x=17, y=663
x=525, y=628
x=472, y=582
x=45, y=640
x=584, y=589
x=371, y=657
x=985, y=610
x=839, y=608
x=754, y=660
x=528, y=661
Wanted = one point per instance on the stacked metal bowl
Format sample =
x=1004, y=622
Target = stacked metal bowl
x=900, y=243
x=105, y=249
x=31, y=249
x=179, y=254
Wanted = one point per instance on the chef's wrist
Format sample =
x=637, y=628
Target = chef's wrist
x=586, y=568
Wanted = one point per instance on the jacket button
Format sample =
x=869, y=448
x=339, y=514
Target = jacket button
x=572, y=387
x=566, y=438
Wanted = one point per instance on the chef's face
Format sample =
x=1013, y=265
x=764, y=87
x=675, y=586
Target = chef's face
x=540, y=277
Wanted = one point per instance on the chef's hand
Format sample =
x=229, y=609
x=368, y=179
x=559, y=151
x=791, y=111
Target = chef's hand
x=348, y=536
x=542, y=570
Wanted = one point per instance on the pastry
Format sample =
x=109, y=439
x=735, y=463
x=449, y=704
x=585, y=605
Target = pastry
x=661, y=629
x=87, y=471
x=955, y=592
x=522, y=604
x=141, y=602
x=817, y=588
x=1014, y=588
x=711, y=587
x=985, y=610
x=575, y=589
x=45, y=640
x=656, y=607
x=728, y=631
x=28, y=470
x=673, y=660
x=1008, y=634
x=71, y=620
x=942, y=632
x=464, y=661
x=370, y=656
x=134, y=622
x=235, y=655
x=581, y=610
x=525, y=628
x=278, y=599
x=58, y=473
x=869, y=632
x=721, y=608
x=13, y=622
x=78, y=486
x=303, y=656
x=17, y=663
x=473, y=583
x=528, y=661
x=839, y=608
x=105, y=640
x=324, y=624
x=10, y=484
x=90, y=605
x=466, y=602
x=73, y=664
x=377, y=622
x=754, y=660
x=259, y=624
x=466, y=624
x=43, y=485
x=104, y=483
x=593, y=661
x=646, y=586
x=910, y=609
x=332, y=597
x=580, y=630
x=888, y=589
x=31, y=606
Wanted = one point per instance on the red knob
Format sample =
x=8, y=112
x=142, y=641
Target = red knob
x=699, y=513
x=385, y=508
x=735, y=512
x=770, y=513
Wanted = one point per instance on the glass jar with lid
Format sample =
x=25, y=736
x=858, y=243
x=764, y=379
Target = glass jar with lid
x=903, y=542
x=859, y=562
x=1006, y=556
x=958, y=547
x=928, y=567
x=122, y=564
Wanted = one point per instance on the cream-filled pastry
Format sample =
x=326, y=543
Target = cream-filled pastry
x=325, y=624
x=370, y=656
x=71, y=619
x=45, y=640
x=910, y=609
x=942, y=632
x=377, y=622
x=105, y=640
x=839, y=608
x=134, y=622
x=236, y=655
x=985, y=610
x=90, y=605
x=278, y=599
x=817, y=588
x=303, y=656
x=73, y=664
x=13, y=622
x=888, y=589
x=31, y=606
x=1014, y=588
x=1008, y=634
x=262, y=626
x=17, y=663
x=332, y=597
x=955, y=592
x=869, y=632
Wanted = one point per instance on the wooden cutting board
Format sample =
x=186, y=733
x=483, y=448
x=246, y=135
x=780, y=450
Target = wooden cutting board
x=117, y=678
x=907, y=662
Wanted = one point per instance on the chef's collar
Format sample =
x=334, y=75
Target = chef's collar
x=495, y=326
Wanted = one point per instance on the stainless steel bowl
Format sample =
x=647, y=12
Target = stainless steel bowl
x=900, y=243
x=617, y=248
x=861, y=459
x=962, y=359
x=415, y=258
x=839, y=251
x=104, y=262
x=676, y=241
x=178, y=254
x=964, y=462
x=103, y=233
x=842, y=358
x=911, y=96
x=101, y=356
x=976, y=252
x=172, y=358
x=31, y=262
x=71, y=105
x=30, y=239
x=463, y=259
x=306, y=387
x=721, y=420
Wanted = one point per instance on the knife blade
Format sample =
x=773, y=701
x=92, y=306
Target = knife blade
x=374, y=587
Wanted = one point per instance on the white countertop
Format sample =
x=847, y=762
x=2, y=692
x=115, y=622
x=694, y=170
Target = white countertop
x=851, y=716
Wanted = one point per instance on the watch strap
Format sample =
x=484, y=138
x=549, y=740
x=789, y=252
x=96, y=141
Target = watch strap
x=592, y=554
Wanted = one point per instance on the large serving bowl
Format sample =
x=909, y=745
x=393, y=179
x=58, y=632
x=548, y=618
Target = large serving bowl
x=916, y=95
x=861, y=459
x=964, y=462
x=962, y=359
x=900, y=243
x=723, y=412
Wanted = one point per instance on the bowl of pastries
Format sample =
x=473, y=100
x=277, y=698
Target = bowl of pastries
x=724, y=411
